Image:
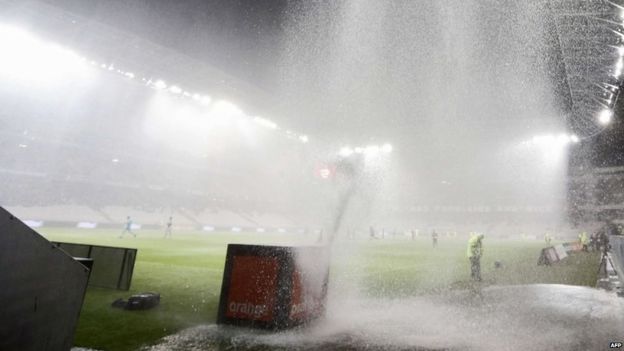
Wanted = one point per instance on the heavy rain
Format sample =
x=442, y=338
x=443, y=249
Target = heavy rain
x=311, y=175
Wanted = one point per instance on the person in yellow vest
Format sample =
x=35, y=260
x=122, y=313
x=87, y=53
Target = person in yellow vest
x=547, y=238
x=474, y=252
x=584, y=241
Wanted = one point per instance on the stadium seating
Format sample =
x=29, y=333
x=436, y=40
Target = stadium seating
x=61, y=213
x=272, y=220
x=223, y=218
x=142, y=217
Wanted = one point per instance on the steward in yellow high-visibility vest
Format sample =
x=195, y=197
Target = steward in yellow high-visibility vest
x=547, y=238
x=584, y=240
x=474, y=252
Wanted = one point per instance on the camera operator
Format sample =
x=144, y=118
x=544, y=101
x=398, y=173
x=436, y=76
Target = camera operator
x=603, y=241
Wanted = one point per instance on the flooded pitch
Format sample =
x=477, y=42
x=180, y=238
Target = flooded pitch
x=532, y=317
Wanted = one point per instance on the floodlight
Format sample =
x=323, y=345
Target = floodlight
x=205, y=100
x=226, y=108
x=549, y=140
x=371, y=149
x=605, y=116
x=359, y=150
x=387, y=148
x=175, y=89
x=26, y=57
x=563, y=139
x=265, y=122
x=346, y=151
x=159, y=84
x=619, y=65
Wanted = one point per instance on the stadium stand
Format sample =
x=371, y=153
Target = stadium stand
x=223, y=218
x=184, y=218
x=272, y=220
x=142, y=217
x=61, y=186
x=60, y=213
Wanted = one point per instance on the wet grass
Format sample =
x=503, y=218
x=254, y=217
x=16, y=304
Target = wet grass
x=414, y=268
x=187, y=272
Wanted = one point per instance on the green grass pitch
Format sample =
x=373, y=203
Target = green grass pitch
x=187, y=271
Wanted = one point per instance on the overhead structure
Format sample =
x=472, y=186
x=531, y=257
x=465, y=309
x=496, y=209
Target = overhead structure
x=135, y=58
x=590, y=36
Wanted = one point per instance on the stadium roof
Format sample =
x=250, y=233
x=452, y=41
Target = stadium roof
x=585, y=34
x=121, y=48
x=590, y=38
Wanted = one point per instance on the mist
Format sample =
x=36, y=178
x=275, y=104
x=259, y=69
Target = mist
x=460, y=88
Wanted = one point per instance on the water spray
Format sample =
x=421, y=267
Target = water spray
x=347, y=172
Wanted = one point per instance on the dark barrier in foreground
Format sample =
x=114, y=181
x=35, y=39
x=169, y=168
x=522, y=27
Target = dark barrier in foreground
x=112, y=266
x=273, y=287
x=617, y=252
x=41, y=290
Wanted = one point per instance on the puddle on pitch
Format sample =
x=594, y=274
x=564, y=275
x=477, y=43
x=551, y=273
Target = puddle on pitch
x=531, y=317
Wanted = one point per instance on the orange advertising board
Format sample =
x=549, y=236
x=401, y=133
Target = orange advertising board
x=265, y=287
x=252, y=288
x=305, y=303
